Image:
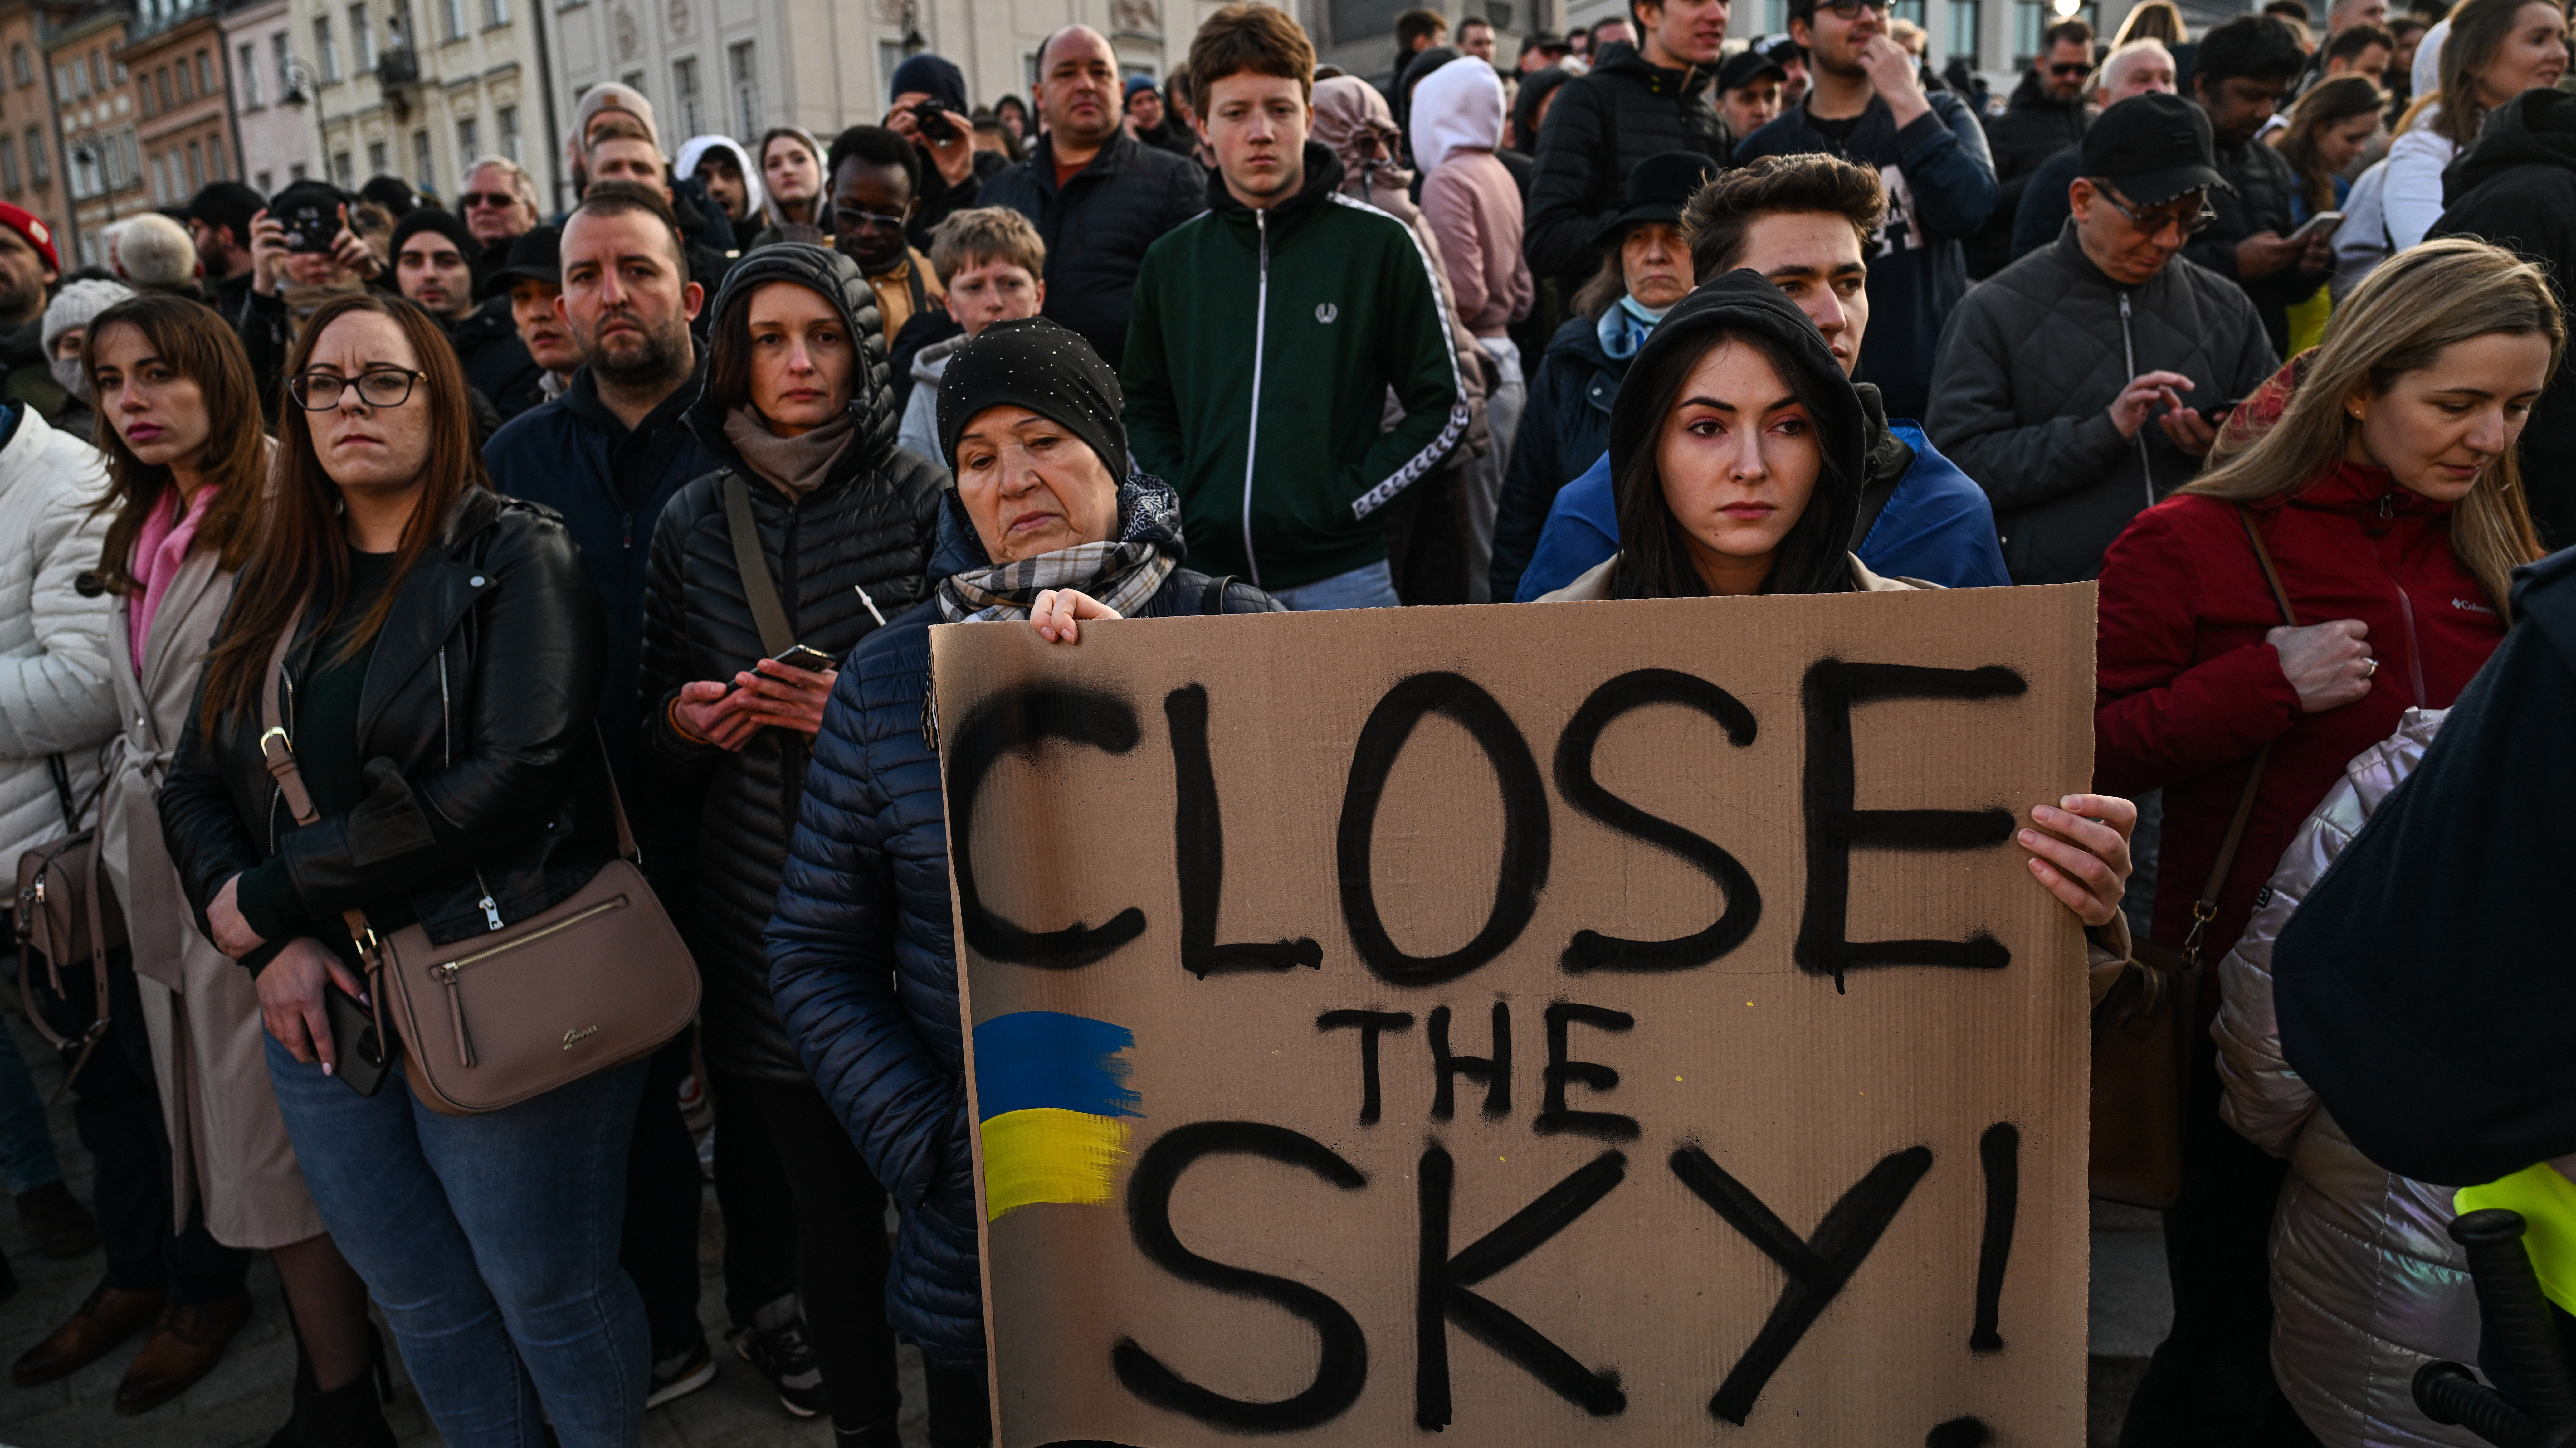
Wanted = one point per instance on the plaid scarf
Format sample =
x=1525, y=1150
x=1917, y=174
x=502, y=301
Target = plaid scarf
x=1124, y=574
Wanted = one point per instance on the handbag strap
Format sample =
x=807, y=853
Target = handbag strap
x=61, y=770
x=759, y=586
x=2204, y=908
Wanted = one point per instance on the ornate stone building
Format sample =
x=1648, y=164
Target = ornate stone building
x=420, y=88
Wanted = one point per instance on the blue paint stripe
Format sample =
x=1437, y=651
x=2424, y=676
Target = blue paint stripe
x=1033, y=1060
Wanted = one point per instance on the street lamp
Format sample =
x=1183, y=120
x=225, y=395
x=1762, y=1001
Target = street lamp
x=303, y=86
x=89, y=149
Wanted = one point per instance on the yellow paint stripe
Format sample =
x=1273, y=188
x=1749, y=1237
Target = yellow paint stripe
x=1047, y=1154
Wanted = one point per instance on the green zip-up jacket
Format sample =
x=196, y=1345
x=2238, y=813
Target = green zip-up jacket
x=1260, y=348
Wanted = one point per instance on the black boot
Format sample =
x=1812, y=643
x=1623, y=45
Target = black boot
x=880, y=1434
x=350, y=1415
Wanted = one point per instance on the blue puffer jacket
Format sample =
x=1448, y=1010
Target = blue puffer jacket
x=861, y=961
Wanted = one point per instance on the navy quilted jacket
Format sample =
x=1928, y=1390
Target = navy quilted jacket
x=863, y=967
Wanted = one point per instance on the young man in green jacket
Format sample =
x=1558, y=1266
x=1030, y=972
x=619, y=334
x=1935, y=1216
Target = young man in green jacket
x=1266, y=333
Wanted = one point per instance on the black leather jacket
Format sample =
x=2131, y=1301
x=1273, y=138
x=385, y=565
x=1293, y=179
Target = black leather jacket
x=871, y=525
x=483, y=770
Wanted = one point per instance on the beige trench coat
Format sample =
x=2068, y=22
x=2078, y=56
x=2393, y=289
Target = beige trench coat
x=228, y=1145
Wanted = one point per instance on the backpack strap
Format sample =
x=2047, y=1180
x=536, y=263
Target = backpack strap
x=1212, y=597
x=759, y=585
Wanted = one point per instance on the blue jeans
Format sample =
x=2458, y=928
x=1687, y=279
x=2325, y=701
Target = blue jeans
x=1370, y=587
x=491, y=1243
x=27, y=1159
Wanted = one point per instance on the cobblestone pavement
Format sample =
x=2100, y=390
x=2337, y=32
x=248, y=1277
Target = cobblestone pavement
x=246, y=1398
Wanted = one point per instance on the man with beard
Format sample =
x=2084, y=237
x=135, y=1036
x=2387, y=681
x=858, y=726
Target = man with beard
x=219, y=218
x=607, y=455
x=28, y=271
x=1097, y=195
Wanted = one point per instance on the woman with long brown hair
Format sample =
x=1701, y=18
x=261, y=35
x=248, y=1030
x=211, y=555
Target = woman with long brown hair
x=186, y=463
x=440, y=669
x=2495, y=50
x=2389, y=499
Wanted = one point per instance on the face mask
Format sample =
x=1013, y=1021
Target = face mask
x=68, y=374
x=1624, y=327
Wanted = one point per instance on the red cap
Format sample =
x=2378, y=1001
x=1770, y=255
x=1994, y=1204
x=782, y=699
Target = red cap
x=38, y=234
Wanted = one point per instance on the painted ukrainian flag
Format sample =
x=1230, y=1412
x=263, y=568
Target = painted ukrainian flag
x=1051, y=1089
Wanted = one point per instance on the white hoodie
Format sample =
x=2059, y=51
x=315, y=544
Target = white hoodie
x=695, y=149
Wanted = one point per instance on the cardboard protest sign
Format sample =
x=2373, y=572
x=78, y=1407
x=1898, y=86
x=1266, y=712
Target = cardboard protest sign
x=1584, y=1023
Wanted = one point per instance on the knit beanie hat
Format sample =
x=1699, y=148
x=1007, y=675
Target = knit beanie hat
x=38, y=235
x=447, y=224
x=1040, y=365
x=610, y=96
x=77, y=304
x=935, y=76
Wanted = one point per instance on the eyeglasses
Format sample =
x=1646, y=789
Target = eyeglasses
x=2153, y=224
x=851, y=218
x=377, y=387
x=495, y=199
x=2073, y=70
x=1851, y=9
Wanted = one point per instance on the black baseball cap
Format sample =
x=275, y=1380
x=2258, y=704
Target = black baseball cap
x=1745, y=67
x=536, y=255
x=2152, y=148
x=1658, y=187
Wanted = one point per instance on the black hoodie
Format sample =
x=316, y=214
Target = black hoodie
x=2516, y=186
x=1815, y=555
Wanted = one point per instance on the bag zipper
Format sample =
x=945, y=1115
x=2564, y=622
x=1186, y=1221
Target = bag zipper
x=447, y=760
x=448, y=974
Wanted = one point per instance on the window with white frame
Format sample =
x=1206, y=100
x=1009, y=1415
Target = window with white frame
x=684, y=93
x=507, y=118
x=249, y=57
x=496, y=12
x=376, y=159
x=455, y=18
x=362, y=36
x=469, y=139
x=424, y=174
x=37, y=169
x=326, y=54
x=745, y=71
x=344, y=172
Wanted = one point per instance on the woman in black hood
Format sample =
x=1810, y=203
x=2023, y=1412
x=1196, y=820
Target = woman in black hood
x=1736, y=450
x=836, y=529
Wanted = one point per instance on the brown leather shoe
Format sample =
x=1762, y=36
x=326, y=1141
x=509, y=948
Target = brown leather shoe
x=185, y=1346
x=109, y=1317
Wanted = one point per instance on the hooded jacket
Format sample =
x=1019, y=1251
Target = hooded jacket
x=1098, y=225
x=695, y=149
x=1602, y=125
x=55, y=697
x=1814, y=556
x=1564, y=427
x=1260, y=348
x=1940, y=190
x=854, y=551
x=2188, y=689
x=1469, y=199
x=2516, y=187
x=863, y=962
x=2025, y=375
x=2423, y=989
x=2367, y=1285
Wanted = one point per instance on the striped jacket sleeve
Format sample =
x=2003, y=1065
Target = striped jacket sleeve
x=1422, y=364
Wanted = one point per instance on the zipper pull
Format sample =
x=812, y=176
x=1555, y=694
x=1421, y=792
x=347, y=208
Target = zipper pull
x=491, y=913
x=2387, y=507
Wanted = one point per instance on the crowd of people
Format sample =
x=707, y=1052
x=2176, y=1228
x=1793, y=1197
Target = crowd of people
x=520, y=543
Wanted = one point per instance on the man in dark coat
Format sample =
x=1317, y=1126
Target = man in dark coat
x=1638, y=101
x=2237, y=77
x=1097, y=195
x=2516, y=187
x=2048, y=373
x=437, y=264
x=2044, y=117
x=1866, y=104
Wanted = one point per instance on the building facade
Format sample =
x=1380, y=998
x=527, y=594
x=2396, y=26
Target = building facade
x=740, y=67
x=421, y=88
x=174, y=51
x=94, y=116
x=272, y=96
x=31, y=176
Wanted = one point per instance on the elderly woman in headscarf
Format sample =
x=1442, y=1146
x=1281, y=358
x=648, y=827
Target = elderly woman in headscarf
x=1737, y=455
x=1050, y=528
x=1428, y=542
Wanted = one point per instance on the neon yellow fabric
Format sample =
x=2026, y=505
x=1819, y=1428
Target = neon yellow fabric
x=1047, y=1154
x=2308, y=320
x=2547, y=1201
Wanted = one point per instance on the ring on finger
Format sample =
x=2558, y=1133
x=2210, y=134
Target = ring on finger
x=2369, y=667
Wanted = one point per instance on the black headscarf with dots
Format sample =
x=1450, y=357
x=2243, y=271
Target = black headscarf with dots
x=1042, y=366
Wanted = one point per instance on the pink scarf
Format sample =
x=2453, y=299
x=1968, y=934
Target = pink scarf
x=159, y=552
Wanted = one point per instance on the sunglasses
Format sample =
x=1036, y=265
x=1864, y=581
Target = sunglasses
x=2075, y=71
x=499, y=200
x=851, y=218
x=2152, y=224
x=1852, y=9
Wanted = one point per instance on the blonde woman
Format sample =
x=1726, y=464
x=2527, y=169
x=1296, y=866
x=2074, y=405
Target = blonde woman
x=2495, y=50
x=2389, y=498
x=2155, y=20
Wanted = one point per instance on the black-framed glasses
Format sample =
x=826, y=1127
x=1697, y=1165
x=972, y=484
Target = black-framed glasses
x=377, y=387
x=2153, y=224
x=851, y=218
x=1851, y=9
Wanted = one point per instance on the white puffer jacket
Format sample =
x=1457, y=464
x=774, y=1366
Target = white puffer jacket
x=55, y=696
x=2366, y=1283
